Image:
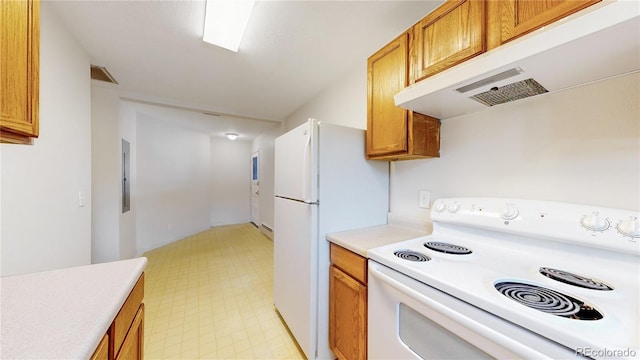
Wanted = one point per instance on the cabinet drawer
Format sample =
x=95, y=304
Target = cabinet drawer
x=352, y=264
x=125, y=317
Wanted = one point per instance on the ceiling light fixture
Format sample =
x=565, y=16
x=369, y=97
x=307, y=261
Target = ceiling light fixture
x=225, y=22
x=231, y=136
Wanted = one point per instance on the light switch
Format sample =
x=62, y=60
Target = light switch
x=425, y=199
x=82, y=199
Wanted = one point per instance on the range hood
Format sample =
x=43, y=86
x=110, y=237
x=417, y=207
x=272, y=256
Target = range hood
x=602, y=43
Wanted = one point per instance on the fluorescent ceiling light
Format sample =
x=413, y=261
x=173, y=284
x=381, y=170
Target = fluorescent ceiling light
x=225, y=22
x=231, y=136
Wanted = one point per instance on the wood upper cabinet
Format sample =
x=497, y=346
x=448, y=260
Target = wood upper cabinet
x=510, y=19
x=347, y=304
x=449, y=35
x=394, y=133
x=19, y=68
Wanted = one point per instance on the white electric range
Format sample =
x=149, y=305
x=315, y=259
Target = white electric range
x=509, y=278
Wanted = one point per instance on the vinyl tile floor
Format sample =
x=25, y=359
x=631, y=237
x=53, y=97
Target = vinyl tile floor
x=210, y=296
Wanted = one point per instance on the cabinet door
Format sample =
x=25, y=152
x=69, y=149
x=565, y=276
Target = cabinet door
x=19, y=64
x=387, y=72
x=133, y=344
x=509, y=19
x=347, y=316
x=449, y=35
x=102, y=351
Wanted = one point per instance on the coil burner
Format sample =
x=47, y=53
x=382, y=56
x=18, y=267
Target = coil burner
x=573, y=279
x=411, y=255
x=547, y=300
x=447, y=248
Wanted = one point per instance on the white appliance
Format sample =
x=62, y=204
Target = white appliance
x=322, y=184
x=597, y=43
x=509, y=278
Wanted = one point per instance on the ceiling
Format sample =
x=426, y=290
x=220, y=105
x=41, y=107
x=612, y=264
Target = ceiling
x=292, y=50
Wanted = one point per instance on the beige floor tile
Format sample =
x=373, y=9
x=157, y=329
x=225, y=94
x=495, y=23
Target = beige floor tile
x=209, y=296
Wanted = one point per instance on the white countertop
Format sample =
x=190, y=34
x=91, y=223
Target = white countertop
x=360, y=241
x=63, y=314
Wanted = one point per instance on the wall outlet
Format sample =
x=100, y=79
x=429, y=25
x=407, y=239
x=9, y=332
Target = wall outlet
x=425, y=199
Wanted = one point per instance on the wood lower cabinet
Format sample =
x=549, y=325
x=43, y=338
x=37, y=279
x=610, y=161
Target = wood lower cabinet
x=510, y=19
x=133, y=344
x=449, y=35
x=394, y=133
x=19, y=70
x=102, y=351
x=347, y=304
x=125, y=337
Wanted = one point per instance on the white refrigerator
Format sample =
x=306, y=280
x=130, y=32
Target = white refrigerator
x=323, y=184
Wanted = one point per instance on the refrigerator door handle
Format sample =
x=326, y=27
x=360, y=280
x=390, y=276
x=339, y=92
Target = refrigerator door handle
x=305, y=168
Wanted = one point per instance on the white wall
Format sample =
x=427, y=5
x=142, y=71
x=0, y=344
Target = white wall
x=127, y=131
x=581, y=145
x=174, y=196
x=230, y=182
x=43, y=227
x=105, y=174
x=113, y=232
x=173, y=179
x=344, y=102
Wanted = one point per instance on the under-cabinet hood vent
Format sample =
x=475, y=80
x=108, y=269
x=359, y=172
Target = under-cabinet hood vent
x=600, y=43
x=101, y=73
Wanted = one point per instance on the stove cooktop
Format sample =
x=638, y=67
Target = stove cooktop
x=567, y=290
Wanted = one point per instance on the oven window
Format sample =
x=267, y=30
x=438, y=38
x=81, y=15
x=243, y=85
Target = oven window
x=431, y=341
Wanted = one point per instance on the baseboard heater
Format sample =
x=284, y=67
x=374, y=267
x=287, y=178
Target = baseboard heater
x=267, y=231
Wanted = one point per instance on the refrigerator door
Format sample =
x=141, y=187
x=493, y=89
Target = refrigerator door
x=296, y=163
x=295, y=274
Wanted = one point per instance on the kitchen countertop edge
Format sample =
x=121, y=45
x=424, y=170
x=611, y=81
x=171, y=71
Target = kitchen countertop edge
x=361, y=240
x=63, y=313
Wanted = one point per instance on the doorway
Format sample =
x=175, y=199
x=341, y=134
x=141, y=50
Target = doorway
x=255, y=188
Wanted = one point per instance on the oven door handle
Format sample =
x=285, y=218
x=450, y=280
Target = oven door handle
x=463, y=320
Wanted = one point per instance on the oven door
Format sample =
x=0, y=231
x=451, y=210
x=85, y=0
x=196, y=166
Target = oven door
x=411, y=320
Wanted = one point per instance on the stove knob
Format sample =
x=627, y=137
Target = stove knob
x=439, y=207
x=629, y=227
x=453, y=207
x=595, y=222
x=509, y=212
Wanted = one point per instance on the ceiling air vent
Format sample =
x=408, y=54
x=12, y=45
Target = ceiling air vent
x=511, y=92
x=100, y=73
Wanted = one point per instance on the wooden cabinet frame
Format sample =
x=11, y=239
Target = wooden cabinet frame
x=510, y=19
x=124, y=339
x=394, y=133
x=449, y=35
x=347, y=304
x=19, y=71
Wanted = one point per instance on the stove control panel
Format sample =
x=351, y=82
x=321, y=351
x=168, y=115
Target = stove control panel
x=509, y=212
x=453, y=207
x=595, y=222
x=607, y=228
x=629, y=227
